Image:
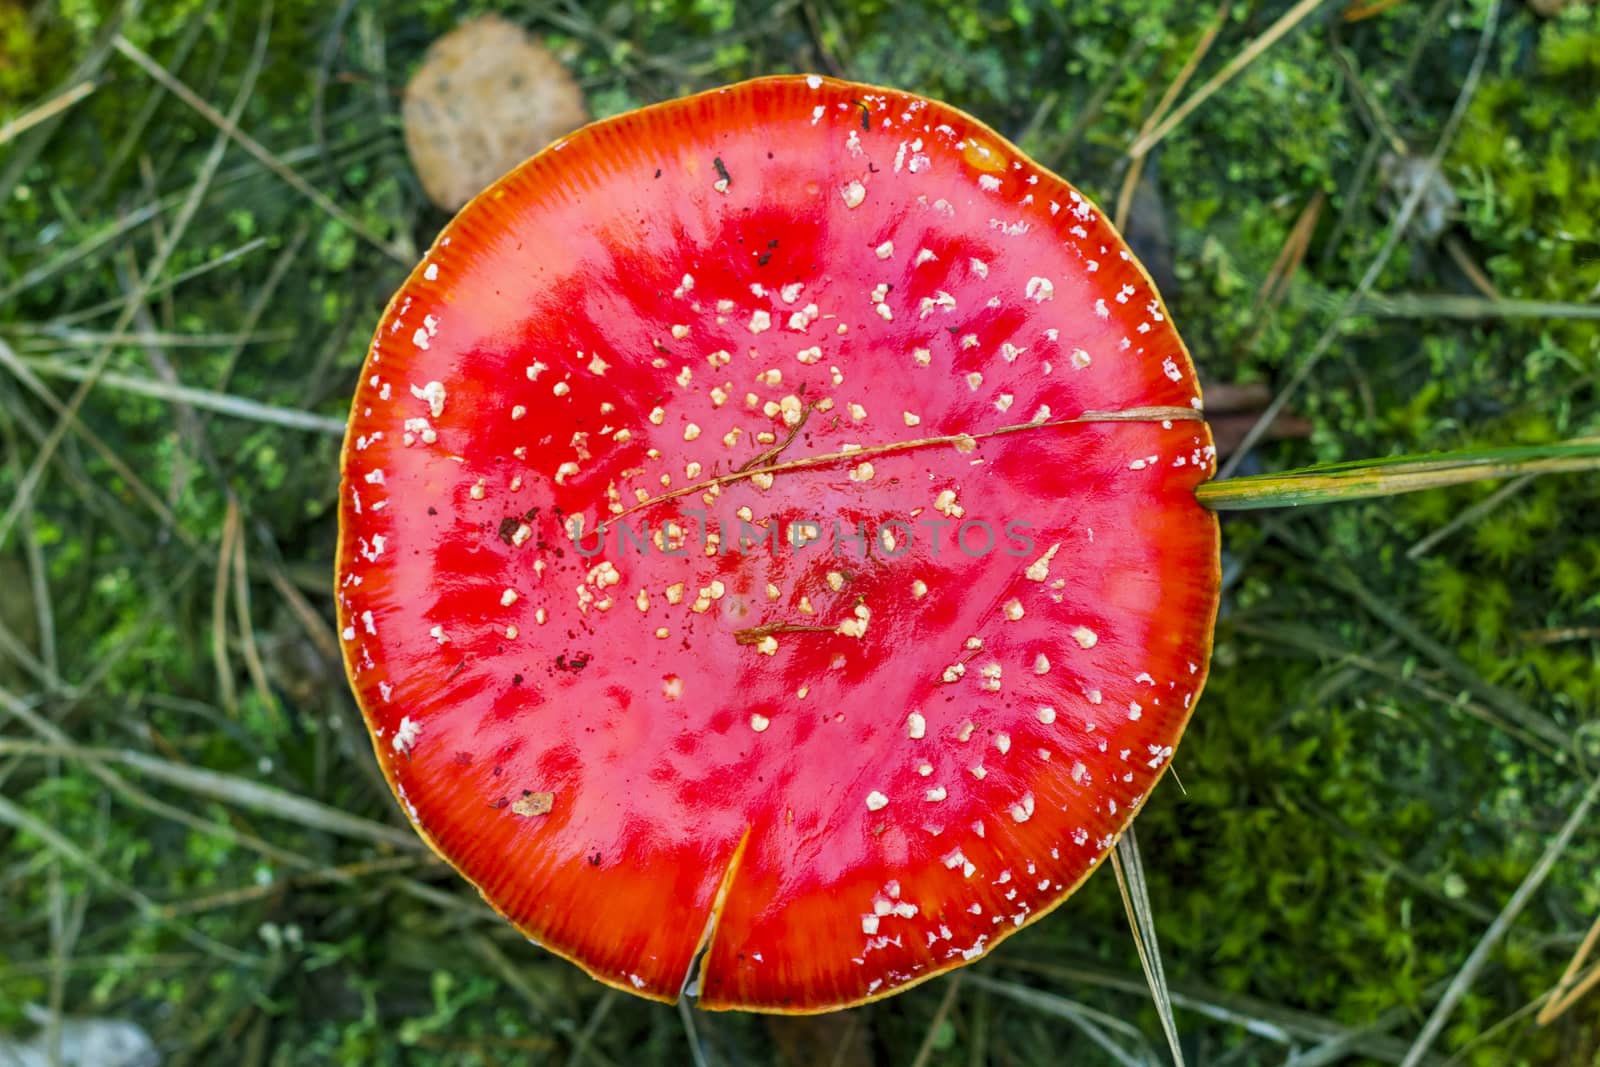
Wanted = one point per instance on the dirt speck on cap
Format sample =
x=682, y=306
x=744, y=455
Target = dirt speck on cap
x=531, y=805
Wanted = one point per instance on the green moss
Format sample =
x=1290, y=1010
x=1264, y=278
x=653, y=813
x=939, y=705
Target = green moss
x=1348, y=819
x=1530, y=187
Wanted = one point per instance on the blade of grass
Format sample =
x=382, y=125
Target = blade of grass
x=1085, y=118
x=1497, y=930
x=1097, y=1026
x=582, y=1049
x=1329, y=483
x=23, y=820
x=1358, y=11
x=191, y=204
x=1341, y=1047
x=52, y=337
x=1246, y=56
x=332, y=43
x=220, y=659
x=1469, y=516
x=39, y=587
x=512, y=975
x=980, y=1029
x=23, y=155
x=1283, y=1026
x=228, y=124
x=1135, y=892
x=101, y=965
x=1572, y=986
x=1488, y=1034
x=264, y=799
x=691, y=1033
x=264, y=295
x=166, y=285
x=47, y=110
x=460, y=908
x=1202, y=48
x=247, y=632
x=315, y=626
x=1343, y=579
x=952, y=987
x=135, y=484
x=1469, y=308
x=347, y=873
x=133, y=134
x=114, y=234
x=12, y=648
x=1398, y=227
x=1285, y=266
x=223, y=403
x=57, y=744
x=1308, y=639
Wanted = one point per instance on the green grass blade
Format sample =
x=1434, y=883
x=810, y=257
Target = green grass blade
x=1141, y=920
x=237, y=407
x=1329, y=483
x=1096, y=1025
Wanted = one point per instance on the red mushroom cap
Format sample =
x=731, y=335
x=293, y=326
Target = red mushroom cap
x=838, y=764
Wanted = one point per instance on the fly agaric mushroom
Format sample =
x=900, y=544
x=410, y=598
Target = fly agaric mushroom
x=769, y=564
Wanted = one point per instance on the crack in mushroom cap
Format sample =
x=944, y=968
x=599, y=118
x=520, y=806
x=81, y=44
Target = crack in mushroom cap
x=827, y=769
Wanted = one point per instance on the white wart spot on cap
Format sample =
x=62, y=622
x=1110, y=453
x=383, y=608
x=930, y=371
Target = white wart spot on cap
x=406, y=736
